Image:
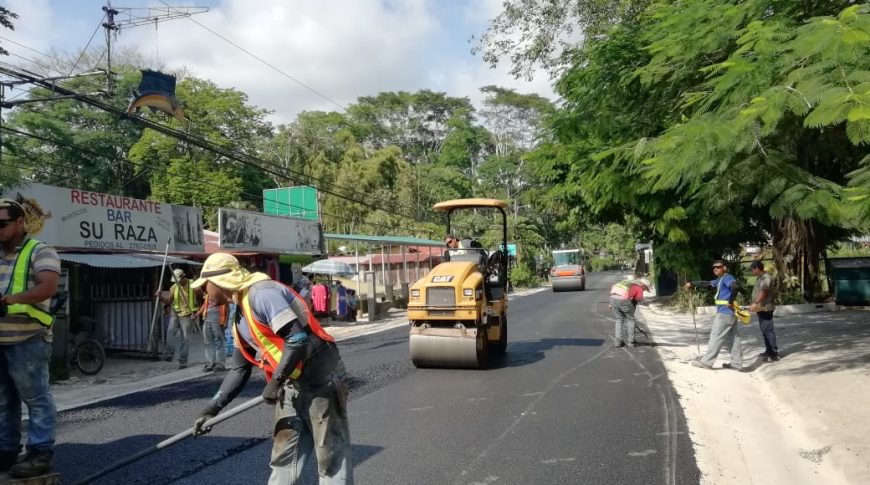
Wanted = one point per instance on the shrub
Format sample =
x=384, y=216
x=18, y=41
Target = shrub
x=603, y=263
x=683, y=300
x=522, y=275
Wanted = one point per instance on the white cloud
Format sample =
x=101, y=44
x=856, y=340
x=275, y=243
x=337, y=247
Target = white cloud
x=342, y=49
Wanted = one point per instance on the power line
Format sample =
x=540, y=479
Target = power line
x=267, y=63
x=82, y=54
x=319, y=182
x=53, y=58
x=153, y=168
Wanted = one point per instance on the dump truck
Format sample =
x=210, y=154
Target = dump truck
x=458, y=311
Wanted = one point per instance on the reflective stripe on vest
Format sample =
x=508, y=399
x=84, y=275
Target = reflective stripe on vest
x=270, y=345
x=716, y=299
x=620, y=290
x=191, y=299
x=18, y=284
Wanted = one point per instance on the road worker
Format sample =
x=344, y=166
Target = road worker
x=724, y=331
x=624, y=297
x=304, y=371
x=29, y=275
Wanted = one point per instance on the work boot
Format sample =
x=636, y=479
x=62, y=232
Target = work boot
x=37, y=462
x=207, y=368
x=182, y=365
x=7, y=459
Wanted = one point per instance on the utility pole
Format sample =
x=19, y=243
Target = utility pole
x=119, y=17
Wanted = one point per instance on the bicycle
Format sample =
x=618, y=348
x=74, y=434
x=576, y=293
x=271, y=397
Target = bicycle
x=85, y=353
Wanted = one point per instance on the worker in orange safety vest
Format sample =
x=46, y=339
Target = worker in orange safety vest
x=304, y=371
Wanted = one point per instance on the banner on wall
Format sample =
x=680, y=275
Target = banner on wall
x=80, y=219
x=253, y=231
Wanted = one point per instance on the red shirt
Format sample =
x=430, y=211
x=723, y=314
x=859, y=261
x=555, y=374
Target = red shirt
x=635, y=292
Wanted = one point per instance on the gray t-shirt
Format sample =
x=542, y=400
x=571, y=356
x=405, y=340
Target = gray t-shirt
x=274, y=305
x=763, y=282
x=287, y=314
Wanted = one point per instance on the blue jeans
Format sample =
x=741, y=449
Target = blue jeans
x=623, y=310
x=24, y=377
x=213, y=338
x=765, y=323
x=179, y=329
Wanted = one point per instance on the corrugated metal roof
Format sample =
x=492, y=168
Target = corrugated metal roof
x=119, y=260
x=385, y=240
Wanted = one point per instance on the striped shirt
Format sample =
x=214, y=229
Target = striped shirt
x=44, y=258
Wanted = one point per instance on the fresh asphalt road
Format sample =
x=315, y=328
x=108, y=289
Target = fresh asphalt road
x=563, y=407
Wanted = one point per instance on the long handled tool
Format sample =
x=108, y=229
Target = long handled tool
x=692, y=307
x=172, y=440
x=153, y=345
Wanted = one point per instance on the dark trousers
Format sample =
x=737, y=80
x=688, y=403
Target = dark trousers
x=765, y=323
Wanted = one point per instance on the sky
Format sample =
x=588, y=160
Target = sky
x=342, y=49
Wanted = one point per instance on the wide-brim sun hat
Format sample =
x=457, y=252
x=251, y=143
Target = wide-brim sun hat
x=224, y=270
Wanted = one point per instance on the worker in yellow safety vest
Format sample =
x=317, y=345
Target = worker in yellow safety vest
x=29, y=275
x=724, y=332
x=182, y=300
x=304, y=371
x=624, y=297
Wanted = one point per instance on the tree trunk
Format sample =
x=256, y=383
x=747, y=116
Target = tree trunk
x=797, y=248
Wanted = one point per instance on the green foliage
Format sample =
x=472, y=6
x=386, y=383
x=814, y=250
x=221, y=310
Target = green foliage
x=685, y=300
x=524, y=276
x=6, y=17
x=532, y=33
x=714, y=123
x=604, y=263
x=92, y=148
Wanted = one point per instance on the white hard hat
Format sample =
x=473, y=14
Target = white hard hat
x=179, y=273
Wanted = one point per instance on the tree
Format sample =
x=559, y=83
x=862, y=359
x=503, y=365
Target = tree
x=716, y=123
x=782, y=108
x=6, y=17
x=417, y=123
x=546, y=32
x=181, y=174
x=72, y=144
x=514, y=122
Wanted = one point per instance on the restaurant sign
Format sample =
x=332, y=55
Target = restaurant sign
x=72, y=218
x=242, y=230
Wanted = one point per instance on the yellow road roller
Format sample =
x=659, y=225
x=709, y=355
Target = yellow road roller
x=458, y=312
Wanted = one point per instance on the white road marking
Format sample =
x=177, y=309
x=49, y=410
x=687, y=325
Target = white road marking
x=557, y=460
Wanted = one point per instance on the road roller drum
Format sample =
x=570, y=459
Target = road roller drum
x=449, y=347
